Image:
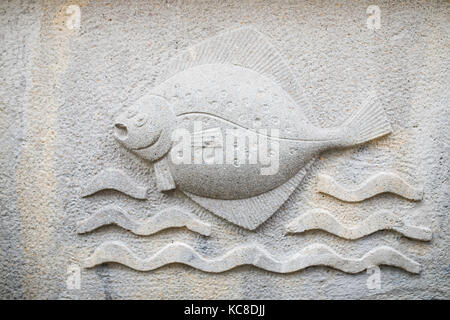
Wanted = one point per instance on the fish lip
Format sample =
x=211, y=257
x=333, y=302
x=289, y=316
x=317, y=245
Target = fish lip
x=149, y=145
x=120, y=131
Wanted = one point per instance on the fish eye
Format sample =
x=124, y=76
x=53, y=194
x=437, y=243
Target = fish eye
x=141, y=120
x=131, y=113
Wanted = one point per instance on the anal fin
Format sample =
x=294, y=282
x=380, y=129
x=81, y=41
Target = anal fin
x=250, y=213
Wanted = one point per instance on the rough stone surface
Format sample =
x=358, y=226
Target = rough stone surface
x=63, y=88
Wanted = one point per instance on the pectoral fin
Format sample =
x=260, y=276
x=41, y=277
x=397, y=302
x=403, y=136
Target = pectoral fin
x=164, y=179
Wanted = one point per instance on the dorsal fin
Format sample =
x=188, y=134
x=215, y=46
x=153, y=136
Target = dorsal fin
x=243, y=47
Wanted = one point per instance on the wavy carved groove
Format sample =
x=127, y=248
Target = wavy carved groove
x=114, y=179
x=169, y=218
x=379, y=183
x=320, y=219
x=314, y=255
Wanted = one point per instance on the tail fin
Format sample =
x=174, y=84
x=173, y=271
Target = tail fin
x=367, y=124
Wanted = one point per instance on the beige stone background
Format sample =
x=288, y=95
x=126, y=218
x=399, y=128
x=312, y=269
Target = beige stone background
x=61, y=89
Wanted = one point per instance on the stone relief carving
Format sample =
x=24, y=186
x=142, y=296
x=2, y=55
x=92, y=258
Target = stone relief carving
x=237, y=82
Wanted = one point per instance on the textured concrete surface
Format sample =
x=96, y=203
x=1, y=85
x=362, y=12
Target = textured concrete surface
x=62, y=89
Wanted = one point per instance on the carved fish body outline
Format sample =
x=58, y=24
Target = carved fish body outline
x=241, y=71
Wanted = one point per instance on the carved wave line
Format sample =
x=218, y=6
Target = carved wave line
x=313, y=255
x=169, y=218
x=379, y=183
x=320, y=219
x=116, y=180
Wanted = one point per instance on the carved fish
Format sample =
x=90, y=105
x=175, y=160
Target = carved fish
x=235, y=80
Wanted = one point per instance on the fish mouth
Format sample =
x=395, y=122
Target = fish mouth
x=121, y=134
x=120, y=131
